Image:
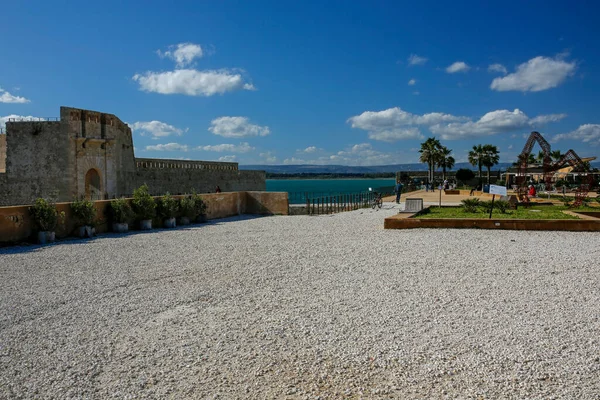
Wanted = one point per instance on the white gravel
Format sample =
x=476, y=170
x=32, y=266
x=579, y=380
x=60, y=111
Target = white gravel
x=303, y=307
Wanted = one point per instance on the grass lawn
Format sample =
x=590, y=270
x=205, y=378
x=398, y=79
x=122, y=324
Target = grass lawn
x=533, y=212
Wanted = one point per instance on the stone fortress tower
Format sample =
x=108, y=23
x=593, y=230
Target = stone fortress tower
x=89, y=154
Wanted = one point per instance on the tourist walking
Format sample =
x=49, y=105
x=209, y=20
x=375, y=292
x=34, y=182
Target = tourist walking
x=398, y=190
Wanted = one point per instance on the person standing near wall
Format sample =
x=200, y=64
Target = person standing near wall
x=217, y=189
x=398, y=190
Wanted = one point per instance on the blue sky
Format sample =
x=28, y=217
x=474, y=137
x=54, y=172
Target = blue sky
x=280, y=82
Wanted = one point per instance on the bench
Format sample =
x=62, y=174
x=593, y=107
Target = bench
x=413, y=205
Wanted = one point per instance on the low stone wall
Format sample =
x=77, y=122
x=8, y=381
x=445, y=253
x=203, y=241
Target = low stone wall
x=406, y=222
x=17, y=226
x=187, y=180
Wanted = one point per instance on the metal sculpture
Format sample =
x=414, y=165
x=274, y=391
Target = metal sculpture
x=549, y=168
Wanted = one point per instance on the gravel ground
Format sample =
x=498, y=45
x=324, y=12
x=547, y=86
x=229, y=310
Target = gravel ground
x=303, y=307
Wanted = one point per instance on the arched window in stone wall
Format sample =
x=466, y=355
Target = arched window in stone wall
x=93, y=185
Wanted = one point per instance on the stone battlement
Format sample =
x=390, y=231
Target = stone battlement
x=156, y=163
x=90, y=154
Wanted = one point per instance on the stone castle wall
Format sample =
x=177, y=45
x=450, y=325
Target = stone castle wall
x=90, y=154
x=179, y=177
x=36, y=162
x=2, y=153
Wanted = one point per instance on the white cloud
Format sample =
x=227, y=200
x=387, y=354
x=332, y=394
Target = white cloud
x=494, y=122
x=396, y=124
x=588, y=133
x=241, y=148
x=192, y=82
x=4, y=120
x=416, y=93
x=416, y=60
x=458, y=66
x=544, y=119
x=156, y=129
x=412, y=82
x=294, y=161
x=268, y=157
x=237, y=127
x=396, y=134
x=362, y=154
x=6, y=97
x=537, y=74
x=227, y=158
x=168, y=147
x=310, y=149
x=183, y=53
x=497, y=68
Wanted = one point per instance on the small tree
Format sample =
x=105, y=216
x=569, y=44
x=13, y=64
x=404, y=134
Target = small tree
x=464, y=175
x=167, y=206
x=120, y=211
x=199, y=204
x=45, y=215
x=187, y=208
x=84, y=212
x=143, y=204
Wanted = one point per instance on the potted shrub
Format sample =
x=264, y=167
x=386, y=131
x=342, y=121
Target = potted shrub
x=84, y=213
x=187, y=209
x=144, y=206
x=120, y=214
x=46, y=218
x=200, y=207
x=167, y=210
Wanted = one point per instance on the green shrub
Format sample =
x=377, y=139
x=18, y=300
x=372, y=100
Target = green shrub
x=143, y=204
x=486, y=206
x=167, y=206
x=502, y=206
x=187, y=208
x=199, y=204
x=45, y=215
x=470, y=205
x=84, y=212
x=120, y=211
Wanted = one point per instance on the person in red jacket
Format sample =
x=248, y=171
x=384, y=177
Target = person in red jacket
x=532, y=192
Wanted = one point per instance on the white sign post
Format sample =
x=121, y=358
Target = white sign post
x=494, y=190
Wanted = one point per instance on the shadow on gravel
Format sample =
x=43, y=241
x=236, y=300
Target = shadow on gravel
x=26, y=247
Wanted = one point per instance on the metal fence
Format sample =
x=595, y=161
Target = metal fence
x=33, y=119
x=332, y=204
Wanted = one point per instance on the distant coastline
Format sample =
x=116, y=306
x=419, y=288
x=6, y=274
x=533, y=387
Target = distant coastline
x=308, y=176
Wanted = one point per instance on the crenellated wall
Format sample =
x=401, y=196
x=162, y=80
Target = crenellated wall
x=178, y=177
x=90, y=154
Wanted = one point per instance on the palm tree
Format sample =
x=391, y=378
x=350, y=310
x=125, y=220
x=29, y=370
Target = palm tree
x=476, y=157
x=556, y=155
x=491, y=157
x=540, y=157
x=430, y=154
x=445, y=160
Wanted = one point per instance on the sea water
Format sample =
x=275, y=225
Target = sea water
x=298, y=188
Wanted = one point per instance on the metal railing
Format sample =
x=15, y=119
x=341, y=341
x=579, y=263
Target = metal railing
x=338, y=203
x=34, y=119
x=154, y=163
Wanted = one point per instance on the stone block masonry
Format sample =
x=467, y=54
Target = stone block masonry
x=89, y=154
x=2, y=153
x=179, y=177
